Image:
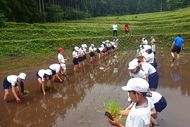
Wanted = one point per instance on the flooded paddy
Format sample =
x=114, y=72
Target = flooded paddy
x=80, y=101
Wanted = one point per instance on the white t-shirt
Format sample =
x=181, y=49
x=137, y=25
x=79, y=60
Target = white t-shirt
x=90, y=49
x=12, y=79
x=155, y=96
x=61, y=59
x=114, y=26
x=149, y=57
x=148, y=68
x=81, y=52
x=140, y=74
x=75, y=54
x=41, y=73
x=101, y=49
x=84, y=50
x=55, y=67
x=139, y=116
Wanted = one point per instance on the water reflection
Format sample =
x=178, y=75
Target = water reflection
x=175, y=71
x=80, y=99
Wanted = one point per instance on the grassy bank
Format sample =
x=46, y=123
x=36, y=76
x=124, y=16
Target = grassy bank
x=31, y=39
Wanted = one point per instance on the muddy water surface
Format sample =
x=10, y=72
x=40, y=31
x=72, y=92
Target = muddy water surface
x=80, y=101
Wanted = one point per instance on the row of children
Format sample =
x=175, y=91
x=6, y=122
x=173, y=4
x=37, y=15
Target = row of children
x=145, y=102
x=79, y=53
x=57, y=70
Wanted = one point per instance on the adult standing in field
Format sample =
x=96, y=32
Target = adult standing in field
x=176, y=47
x=126, y=28
x=14, y=82
x=114, y=29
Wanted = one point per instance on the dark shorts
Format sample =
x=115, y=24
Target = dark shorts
x=80, y=59
x=84, y=57
x=98, y=51
x=108, y=48
x=7, y=84
x=161, y=104
x=37, y=76
x=75, y=61
x=105, y=50
x=92, y=54
x=176, y=49
x=153, y=80
x=113, y=47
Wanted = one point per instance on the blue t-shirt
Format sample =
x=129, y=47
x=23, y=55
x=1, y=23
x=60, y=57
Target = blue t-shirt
x=178, y=41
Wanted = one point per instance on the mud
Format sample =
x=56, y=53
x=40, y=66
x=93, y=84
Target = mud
x=80, y=101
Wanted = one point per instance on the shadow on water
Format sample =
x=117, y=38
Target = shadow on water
x=80, y=101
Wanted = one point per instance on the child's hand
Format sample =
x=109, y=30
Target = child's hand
x=114, y=123
x=18, y=100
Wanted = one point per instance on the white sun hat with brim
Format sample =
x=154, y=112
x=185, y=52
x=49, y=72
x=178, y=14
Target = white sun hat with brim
x=76, y=48
x=22, y=76
x=48, y=72
x=136, y=84
x=107, y=41
x=133, y=64
x=63, y=66
x=146, y=47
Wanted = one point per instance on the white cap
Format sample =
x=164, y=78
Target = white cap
x=83, y=45
x=63, y=66
x=48, y=72
x=76, y=48
x=22, y=76
x=103, y=42
x=144, y=41
x=146, y=47
x=133, y=64
x=92, y=45
x=107, y=41
x=136, y=84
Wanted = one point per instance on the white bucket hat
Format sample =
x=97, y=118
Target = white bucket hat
x=133, y=64
x=136, y=84
x=22, y=76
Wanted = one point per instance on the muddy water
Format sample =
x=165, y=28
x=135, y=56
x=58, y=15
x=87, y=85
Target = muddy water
x=80, y=101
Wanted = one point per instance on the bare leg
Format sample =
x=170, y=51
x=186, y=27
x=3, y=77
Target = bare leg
x=6, y=94
x=173, y=56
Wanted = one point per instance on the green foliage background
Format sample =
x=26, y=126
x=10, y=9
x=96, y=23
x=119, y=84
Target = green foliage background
x=18, y=39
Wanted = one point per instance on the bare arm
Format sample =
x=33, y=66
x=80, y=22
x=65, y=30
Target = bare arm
x=127, y=110
x=116, y=124
x=15, y=95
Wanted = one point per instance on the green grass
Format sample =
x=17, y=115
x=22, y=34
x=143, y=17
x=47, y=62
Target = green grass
x=18, y=39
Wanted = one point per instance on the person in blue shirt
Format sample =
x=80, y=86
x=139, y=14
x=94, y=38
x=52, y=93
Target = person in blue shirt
x=176, y=47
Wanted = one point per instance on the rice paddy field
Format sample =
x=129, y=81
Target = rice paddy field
x=22, y=39
x=82, y=99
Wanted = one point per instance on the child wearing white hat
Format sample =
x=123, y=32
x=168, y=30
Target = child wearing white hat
x=56, y=70
x=14, y=82
x=43, y=76
x=139, y=114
